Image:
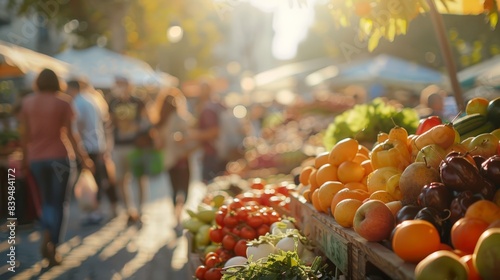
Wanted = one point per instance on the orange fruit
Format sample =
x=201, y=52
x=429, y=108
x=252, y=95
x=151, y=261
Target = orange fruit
x=444, y=246
x=315, y=200
x=321, y=159
x=367, y=165
x=346, y=149
x=345, y=211
x=347, y=193
x=350, y=171
x=413, y=240
x=312, y=180
x=466, y=232
x=359, y=158
x=398, y=133
x=356, y=186
x=326, y=193
x=485, y=210
x=325, y=173
x=304, y=175
x=307, y=195
x=382, y=136
x=363, y=150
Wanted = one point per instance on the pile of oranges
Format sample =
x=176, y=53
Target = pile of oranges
x=347, y=165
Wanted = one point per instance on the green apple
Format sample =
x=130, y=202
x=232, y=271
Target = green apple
x=433, y=154
x=477, y=105
x=442, y=264
x=486, y=257
x=485, y=144
x=496, y=132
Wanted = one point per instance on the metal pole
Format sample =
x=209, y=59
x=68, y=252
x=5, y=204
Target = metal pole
x=444, y=45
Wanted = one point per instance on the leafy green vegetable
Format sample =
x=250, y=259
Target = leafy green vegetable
x=283, y=265
x=364, y=121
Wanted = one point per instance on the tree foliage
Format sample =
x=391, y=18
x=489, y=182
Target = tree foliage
x=388, y=18
x=135, y=27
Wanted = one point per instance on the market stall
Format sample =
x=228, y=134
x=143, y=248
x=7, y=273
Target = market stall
x=418, y=199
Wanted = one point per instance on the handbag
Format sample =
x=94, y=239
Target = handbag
x=86, y=191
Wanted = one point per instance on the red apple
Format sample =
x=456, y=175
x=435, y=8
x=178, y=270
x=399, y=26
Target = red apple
x=485, y=144
x=374, y=221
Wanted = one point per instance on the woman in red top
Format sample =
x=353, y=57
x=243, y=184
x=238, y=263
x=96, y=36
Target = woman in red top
x=50, y=147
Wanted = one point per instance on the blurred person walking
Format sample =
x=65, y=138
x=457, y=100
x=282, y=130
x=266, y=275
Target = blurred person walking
x=89, y=124
x=50, y=146
x=173, y=123
x=130, y=122
x=208, y=131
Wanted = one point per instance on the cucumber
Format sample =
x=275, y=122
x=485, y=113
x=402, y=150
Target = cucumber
x=468, y=123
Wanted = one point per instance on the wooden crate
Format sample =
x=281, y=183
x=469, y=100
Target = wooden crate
x=355, y=257
x=194, y=259
x=333, y=245
x=302, y=212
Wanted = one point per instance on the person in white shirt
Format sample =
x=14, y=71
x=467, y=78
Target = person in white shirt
x=89, y=123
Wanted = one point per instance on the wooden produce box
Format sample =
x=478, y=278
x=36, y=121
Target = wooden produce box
x=194, y=258
x=355, y=257
x=302, y=212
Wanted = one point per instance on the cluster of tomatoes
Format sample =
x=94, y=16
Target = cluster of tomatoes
x=236, y=224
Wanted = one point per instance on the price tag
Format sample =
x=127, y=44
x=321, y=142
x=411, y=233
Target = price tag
x=335, y=247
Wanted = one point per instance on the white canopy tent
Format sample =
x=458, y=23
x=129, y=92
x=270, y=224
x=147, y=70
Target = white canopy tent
x=30, y=62
x=100, y=66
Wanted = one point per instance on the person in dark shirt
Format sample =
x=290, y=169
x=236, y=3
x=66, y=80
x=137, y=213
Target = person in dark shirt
x=130, y=120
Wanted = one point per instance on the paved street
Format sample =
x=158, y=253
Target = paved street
x=111, y=250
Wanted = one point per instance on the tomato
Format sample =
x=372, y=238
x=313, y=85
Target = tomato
x=219, y=218
x=230, y=221
x=248, y=196
x=242, y=214
x=273, y=217
x=265, y=218
x=211, y=261
x=200, y=272
x=284, y=188
x=236, y=204
x=211, y=254
x=219, y=250
x=216, y=235
x=255, y=221
x=240, y=249
x=236, y=230
x=276, y=199
x=428, y=123
x=266, y=195
x=257, y=184
x=228, y=242
x=214, y=273
x=224, y=209
x=248, y=233
x=263, y=229
x=225, y=231
x=225, y=255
